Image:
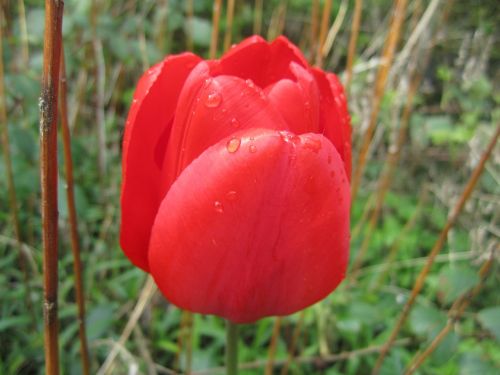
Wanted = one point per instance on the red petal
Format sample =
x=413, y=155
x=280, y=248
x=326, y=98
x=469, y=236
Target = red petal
x=335, y=122
x=146, y=136
x=298, y=102
x=260, y=61
x=258, y=225
x=211, y=109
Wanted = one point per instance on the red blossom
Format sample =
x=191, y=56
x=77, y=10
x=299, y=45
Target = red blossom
x=236, y=171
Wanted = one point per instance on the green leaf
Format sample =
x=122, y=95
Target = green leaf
x=456, y=280
x=490, y=319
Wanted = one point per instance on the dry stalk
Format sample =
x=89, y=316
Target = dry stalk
x=161, y=20
x=11, y=188
x=293, y=343
x=229, y=24
x=147, y=292
x=24, y=33
x=380, y=84
x=325, y=17
x=100, y=81
x=73, y=224
x=48, y=173
x=393, y=156
x=277, y=23
x=257, y=17
x=314, y=29
x=454, y=314
x=332, y=33
x=437, y=248
x=272, y=346
x=388, y=173
x=189, y=21
x=215, y=28
x=353, y=40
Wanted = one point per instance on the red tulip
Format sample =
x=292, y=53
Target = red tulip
x=235, y=192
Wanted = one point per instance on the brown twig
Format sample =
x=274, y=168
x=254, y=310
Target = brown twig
x=325, y=18
x=229, y=24
x=314, y=29
x=24, y=32
x=189, y=21
x=73, y=225
x=380, y=83
x=257, y=17
x=215, y=28
x=437, y=247
x=389, y=168
x=100, y=77
x=13, y=204
x=147, y=292
x=353, y=40
x=293, y=343
x=48, y=171
x=272, y=346
x=334, y=29
x=454, y=314
x=277, y=23
x=161, y=28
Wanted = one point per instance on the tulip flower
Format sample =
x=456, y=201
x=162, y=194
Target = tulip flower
x=236, y=190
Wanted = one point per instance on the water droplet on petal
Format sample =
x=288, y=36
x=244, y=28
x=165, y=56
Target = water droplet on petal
x=208, y=81
x=252, y=149
x=250, y=83
x=233, y=145
x=235, y=123
x=231, y=195
x=289, y=137
x=312, y=144
x=218, y=207
x=213, y=100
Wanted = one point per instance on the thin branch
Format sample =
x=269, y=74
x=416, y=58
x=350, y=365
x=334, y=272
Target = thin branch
x=353, y=40
x=314, y=29
x=322, y=34
x=24, y=32
x=257, y=17
x=73, y=224
x=229, y=24
x=147, y=292
x=454, y=314
x=215, y=28
x=437, y=247
x=380, y=83
x=100, y=81
x=332, y=33
x=272, y=346
x=48, y=171
x=293, y=343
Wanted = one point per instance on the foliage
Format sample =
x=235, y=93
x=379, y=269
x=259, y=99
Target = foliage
x=455, y=113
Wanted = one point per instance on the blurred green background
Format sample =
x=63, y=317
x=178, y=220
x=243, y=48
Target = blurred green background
x=108, y=44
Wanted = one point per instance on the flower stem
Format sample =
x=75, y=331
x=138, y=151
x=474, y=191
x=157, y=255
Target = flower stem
x=231, y=348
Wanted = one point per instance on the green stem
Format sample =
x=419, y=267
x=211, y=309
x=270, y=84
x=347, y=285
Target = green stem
x=231, y=348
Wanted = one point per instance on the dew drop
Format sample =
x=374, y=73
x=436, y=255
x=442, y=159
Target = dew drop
x=233, y=145
x=213, y=100
x=208, y=81
x=312, y=144
x=289, y=137
x=250, y=83
x=218, y=207
x=231, y=195
x=235, y=123
x=252, y=149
